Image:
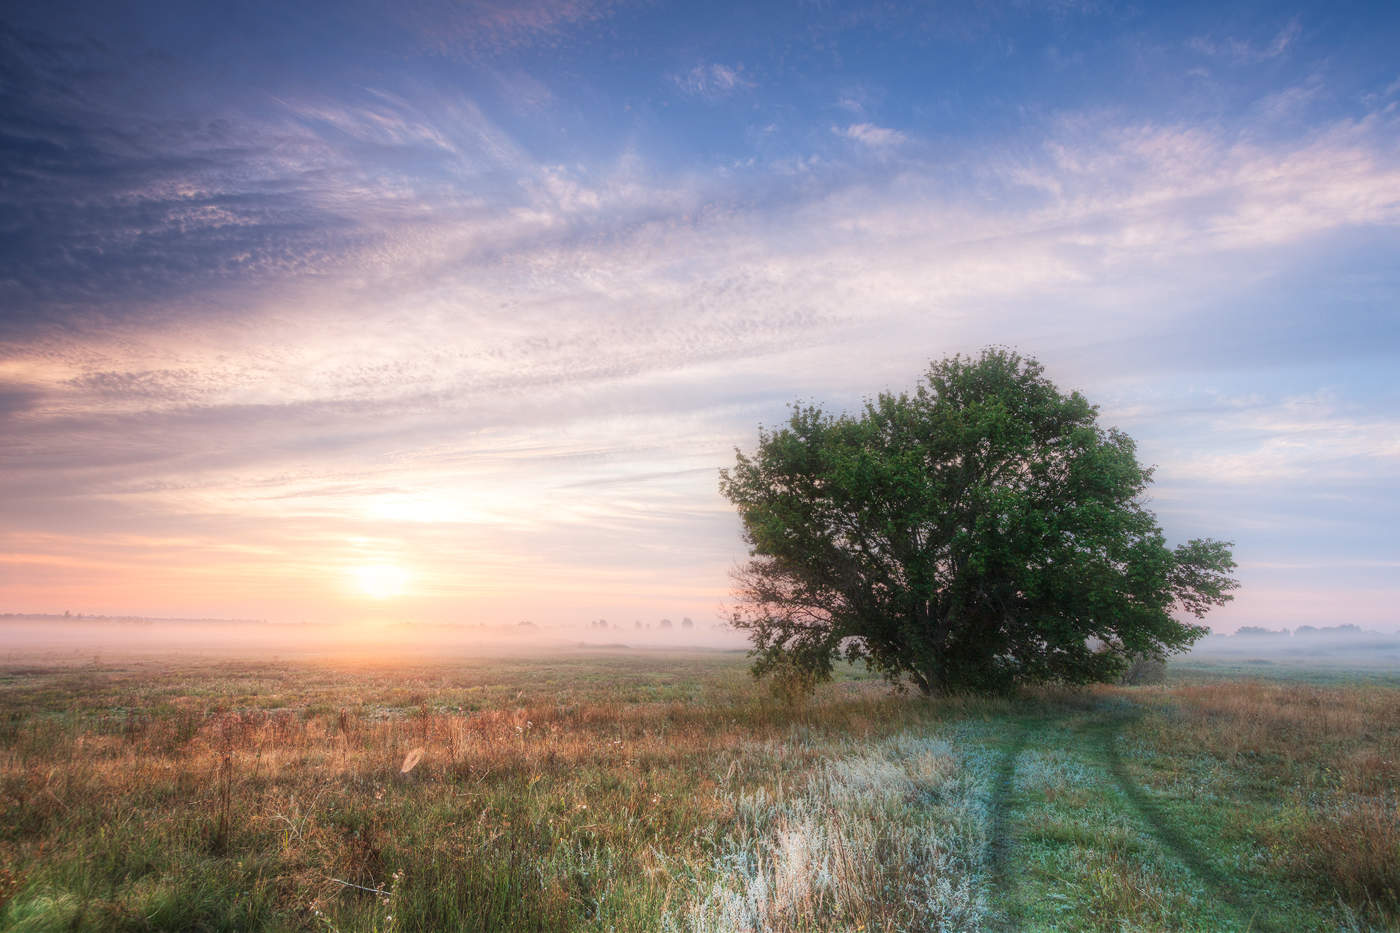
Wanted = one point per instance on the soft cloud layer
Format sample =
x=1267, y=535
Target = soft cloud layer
x=258, y=337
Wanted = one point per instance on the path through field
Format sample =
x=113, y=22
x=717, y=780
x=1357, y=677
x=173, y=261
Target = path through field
x=1079, y=838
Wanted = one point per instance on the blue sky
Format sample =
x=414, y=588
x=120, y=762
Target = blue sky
x=487, y=293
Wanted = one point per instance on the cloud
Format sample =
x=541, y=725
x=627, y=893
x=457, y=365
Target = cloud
x=713, y=80
x=1246, y=52
x=868, y=134
x=121, y=211
x=1200, y=188
x=134, y=214
x=141, y=388
x=17, y=398
x=384, y=119
x=1292, y=101
x=494, y=26
x=1314, y=439
x=598, y=275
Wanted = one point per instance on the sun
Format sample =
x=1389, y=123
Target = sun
x=380, y=581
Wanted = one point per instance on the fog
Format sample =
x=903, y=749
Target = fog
x=1326, y=646
x=63, y=640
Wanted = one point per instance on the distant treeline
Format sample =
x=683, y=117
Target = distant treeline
x=1306, y=631
x=685, y=623
x=1335, y=643
x=78, y=616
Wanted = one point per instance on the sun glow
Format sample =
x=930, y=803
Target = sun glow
x=379, y=581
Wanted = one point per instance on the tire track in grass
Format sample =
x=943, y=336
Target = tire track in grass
x=1167, y=831
x=1001, y=885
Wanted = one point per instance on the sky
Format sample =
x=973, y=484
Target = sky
x=453, y=311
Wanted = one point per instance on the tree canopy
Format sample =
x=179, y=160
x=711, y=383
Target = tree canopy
x=981, y=532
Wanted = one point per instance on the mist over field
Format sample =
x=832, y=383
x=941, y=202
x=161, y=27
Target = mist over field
x=1344, y=647
x=59, y=640
x=72, y=640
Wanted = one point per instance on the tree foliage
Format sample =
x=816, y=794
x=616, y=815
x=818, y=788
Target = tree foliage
x=982, y=532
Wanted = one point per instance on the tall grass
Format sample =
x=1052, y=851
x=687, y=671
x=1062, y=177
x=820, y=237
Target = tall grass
x=201, y=803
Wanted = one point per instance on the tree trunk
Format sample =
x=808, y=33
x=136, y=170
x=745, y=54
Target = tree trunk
x=924, y=682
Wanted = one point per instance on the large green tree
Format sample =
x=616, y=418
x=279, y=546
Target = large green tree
x=982, y=532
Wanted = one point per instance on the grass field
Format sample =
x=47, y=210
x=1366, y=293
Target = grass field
x=651, y=791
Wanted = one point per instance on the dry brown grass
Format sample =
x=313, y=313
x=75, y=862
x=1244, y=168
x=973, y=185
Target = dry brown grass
x=548, y=807
x=1357, y=847
x=1301, y=724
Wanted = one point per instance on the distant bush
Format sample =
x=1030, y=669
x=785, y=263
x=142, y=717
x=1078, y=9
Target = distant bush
x=790, y=683
x=1145, y=669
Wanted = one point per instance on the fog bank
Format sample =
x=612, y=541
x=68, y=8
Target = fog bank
x=62, y=640
x=1333, y=646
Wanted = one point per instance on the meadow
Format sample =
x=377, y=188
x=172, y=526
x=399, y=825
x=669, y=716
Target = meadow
x=669, y=791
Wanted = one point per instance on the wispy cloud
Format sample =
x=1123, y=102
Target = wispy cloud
x=495, y=26
x=1246, y=51
x=1309, y=439
x=1209, y=189
x=713, y=80
x=868, y=134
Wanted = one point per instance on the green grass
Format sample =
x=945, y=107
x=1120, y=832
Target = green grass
x=1205, y=669
x=655, y=791
x=1099, y=839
